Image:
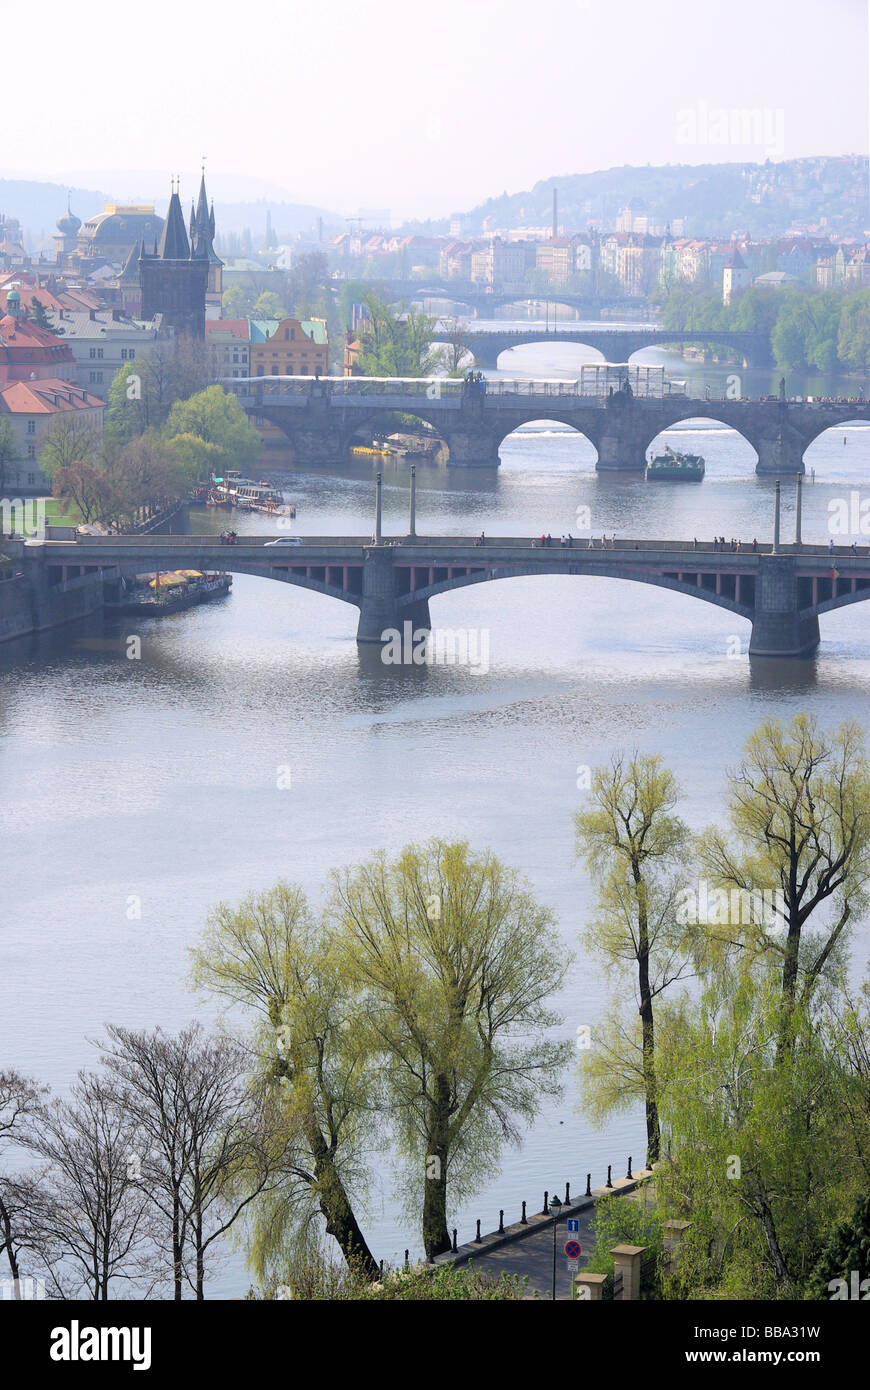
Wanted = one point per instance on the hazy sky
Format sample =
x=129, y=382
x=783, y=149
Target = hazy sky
x=427, y=108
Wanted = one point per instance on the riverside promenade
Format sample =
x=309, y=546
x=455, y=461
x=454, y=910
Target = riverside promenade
x=526, y=1249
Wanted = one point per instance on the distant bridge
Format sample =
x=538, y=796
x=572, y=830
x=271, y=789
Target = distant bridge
x=781, y=593
x=614, y=344
x=484, y=301
x=322, y=416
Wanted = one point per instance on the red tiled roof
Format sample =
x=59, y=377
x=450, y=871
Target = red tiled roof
x=22, y=333
x=48, y=397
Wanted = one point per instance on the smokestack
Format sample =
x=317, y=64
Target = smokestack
x=555, y=213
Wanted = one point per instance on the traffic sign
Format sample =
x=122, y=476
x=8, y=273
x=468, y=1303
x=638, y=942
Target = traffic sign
x=572, y=1249
x=573, y=1224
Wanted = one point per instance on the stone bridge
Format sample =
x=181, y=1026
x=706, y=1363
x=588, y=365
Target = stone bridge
x=321, y=417
x=485, y=301
x=780, y=592
x=614, y=344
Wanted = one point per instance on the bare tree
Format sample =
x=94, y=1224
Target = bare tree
x=20, y=1099
x=208, y=1147
x=94, y=1222
x=72, y=438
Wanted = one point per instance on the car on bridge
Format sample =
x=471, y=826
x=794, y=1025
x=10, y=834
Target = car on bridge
x=286, y=540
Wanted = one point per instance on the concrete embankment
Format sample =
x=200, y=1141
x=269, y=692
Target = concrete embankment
x=28, y=606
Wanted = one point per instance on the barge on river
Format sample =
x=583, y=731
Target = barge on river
x=169, y=591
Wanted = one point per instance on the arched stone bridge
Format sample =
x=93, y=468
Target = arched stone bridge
x=781, y=595
x=322, y=416
x=614, y=344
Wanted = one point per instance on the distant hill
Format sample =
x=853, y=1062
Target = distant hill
x=38, y=206
x=765, y=199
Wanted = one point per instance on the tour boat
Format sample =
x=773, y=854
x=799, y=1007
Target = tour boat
x=673, y=466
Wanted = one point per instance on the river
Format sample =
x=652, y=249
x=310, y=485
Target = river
x=157, y=779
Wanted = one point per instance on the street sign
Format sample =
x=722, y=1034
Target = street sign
x=573, y=1224
x=573, y=1266
x=572, y=1249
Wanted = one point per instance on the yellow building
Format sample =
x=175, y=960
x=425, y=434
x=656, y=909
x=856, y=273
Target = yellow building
x=289, y=347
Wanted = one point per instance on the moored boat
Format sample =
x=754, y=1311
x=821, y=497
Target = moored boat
x=170, y=591
x=674, y=466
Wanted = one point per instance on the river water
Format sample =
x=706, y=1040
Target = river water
x=157, y=780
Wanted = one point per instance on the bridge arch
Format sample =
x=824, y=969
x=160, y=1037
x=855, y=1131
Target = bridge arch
x=678, y=437
x=383, y=421
x=828, y=436
x=497, y=573
x=541, y=424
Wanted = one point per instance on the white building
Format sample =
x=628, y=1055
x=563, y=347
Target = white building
x=102, y=342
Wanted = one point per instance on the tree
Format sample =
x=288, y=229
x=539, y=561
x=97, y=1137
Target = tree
x=8, y=451
x=453, y=353
x=215, y=418
x=71, y=438
x=88, y=488
x=94, y=1229
x=307, y=285
x=268, y=306
x=853, y=334
x=208, y=1151
x=143, y=392
x=145, y=472
x=751, y=1134
x=270, y=956
x=235, y=303
x=20, y=1100
x=456, y=962
x=40, y=317
x=799, y=808
x=635, y=847
x=395, y=343
x=846, y=1253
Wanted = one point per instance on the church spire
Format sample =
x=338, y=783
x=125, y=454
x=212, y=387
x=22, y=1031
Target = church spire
x=174, y=245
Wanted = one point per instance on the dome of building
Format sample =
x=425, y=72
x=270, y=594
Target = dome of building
x=118, y=228
x=69, y=224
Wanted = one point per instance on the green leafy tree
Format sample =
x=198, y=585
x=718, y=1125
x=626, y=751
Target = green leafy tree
x=456, y=963
x=635, y=848
x=799, y=811
x=846, y=1254
x=396, y=342
x=853, y=334
x=751, y=1133
x=214, y=418
x=268, y=306
x=271, y=957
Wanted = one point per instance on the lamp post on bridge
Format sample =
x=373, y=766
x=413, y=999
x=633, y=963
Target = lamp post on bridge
x=798, y=539
x=379, y=486
x=776, y=509
x=413, y=517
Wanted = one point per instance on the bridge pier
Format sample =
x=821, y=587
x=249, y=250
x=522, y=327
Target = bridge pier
x=780, y=454
x=777, y=627
x=472, y=446
x=623, y=441
x=379, y=609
